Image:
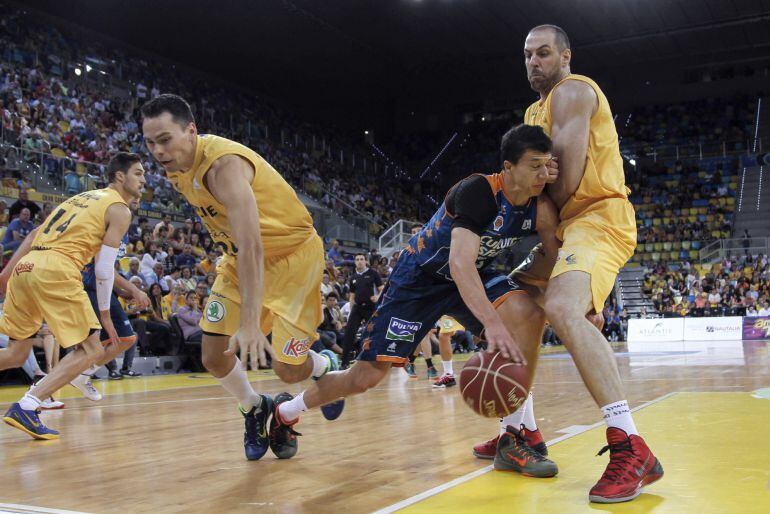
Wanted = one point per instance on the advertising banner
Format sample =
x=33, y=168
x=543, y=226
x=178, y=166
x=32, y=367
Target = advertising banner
x=659, y=329
x=756, y=327
x=726, y=328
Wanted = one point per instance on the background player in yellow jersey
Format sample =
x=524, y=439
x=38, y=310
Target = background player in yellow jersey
x=598, y=234
x=46, y=284
x=270, y=276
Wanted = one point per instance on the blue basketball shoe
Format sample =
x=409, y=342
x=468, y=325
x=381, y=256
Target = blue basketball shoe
x=255, y=437
x=332, y=411
x=28, y=421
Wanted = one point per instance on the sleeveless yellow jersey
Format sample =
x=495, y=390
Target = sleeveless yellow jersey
x=603, y=176
x=76, y=228
x=284, y=222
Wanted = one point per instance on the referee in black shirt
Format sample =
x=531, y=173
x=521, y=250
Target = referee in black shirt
x=365, y=286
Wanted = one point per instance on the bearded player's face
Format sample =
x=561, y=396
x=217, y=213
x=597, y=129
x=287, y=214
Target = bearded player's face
x=543, y=60
x=170, y=143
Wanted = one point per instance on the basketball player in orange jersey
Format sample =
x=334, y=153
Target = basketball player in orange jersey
x=598, y=234
x=46, y=283
x=271, y=273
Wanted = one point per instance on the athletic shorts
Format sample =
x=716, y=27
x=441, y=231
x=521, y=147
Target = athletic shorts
x=42, y=287
x=291, y=309
x=599, y=242
x=411, y=304
x=117, y=314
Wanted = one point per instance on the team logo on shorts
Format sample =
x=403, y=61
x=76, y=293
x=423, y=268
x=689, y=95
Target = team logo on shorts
x=402, y=330
x=498, y=223
x=215, y=311
x=571, y=259
x=296, y=347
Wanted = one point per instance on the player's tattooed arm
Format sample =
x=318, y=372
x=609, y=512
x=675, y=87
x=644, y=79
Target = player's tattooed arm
x=229, y=180
x=20, y=252
x=573, y=104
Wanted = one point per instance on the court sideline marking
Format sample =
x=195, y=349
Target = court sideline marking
x=30, y=509
x=470, y=476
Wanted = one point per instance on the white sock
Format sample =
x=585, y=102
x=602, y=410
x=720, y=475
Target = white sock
x=529, y=413
x=29, y=402
x=291, y=410
x=92, y=370
x=618, y=415
x=237, y=384
x=515, y=420
x=321, y=364
x=447, y=367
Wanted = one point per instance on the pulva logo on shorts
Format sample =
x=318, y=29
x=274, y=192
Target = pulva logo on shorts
x=296, y=347
x=402, y=330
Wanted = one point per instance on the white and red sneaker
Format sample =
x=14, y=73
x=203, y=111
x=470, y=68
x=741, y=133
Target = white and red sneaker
x=445, y=381
x=51, y=404
x=632, y=466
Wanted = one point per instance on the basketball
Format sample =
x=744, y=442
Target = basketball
x=493, y=386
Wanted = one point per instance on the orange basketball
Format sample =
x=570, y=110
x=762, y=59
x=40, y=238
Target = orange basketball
x=493, y=386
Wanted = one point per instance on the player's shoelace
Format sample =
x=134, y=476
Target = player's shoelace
x=283, y=427
x=618, y=456
x=526, y=448
x=253, y=428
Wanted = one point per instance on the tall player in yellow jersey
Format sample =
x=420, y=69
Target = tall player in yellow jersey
x=598, y=234
x=46, y=284
x=270, y=276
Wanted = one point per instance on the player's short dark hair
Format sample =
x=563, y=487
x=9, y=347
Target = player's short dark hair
x=521, y=138
x=562, y=40
x=175, y=105
x=121, y=161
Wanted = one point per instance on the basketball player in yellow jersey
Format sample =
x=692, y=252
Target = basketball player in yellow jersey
x=46, y=284
x=271, y=273
x=598, y=234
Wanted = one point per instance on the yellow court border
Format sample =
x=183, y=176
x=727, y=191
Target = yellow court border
x=712, y=445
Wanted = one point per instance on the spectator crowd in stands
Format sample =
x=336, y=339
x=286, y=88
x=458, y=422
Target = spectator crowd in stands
x=81, y=117
x=733, y=287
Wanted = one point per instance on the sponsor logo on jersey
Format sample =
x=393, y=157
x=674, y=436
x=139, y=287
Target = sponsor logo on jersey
x=215, y=311
x=527, y=225
x=402, y=330
x=296, y=347
x=498, y=223
x=23, y=267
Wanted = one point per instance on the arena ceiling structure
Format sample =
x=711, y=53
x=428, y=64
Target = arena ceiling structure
x=374, y=54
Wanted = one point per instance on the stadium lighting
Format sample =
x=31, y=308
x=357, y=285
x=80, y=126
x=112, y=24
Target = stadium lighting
x=88, y=68
x=366, y=132
x=632, y=161
x=78, y=71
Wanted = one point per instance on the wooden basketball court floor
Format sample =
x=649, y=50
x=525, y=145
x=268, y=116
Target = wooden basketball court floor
x=173, y=444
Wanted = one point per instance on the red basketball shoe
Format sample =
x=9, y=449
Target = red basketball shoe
x=632, y=466
x=534, y=439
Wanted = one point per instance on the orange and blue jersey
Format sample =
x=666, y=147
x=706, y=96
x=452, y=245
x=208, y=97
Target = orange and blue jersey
x=469, y=204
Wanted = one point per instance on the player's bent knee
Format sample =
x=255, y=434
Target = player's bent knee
x=366, y=375
x=291, y=373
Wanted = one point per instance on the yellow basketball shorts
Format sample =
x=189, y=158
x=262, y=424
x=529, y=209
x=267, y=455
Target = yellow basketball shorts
x=42, y=287
x=598, y=242
x=449, y=325
x=291, y=310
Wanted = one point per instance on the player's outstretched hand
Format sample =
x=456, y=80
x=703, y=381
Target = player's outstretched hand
x=596, y=319
x=141, y=299
x=252, y=341
x=500, y=340
x=109, y=328
x=553, y=170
